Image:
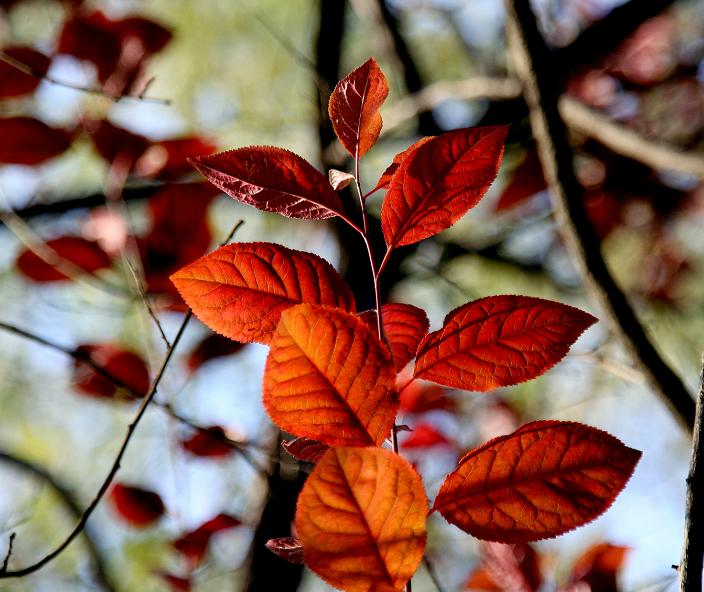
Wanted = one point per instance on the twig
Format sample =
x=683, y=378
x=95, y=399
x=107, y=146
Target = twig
x=6, y=561
x=71, y=505
x=118, y=459
x=692, y=561
x=433, y=574
x=27, y=69
x=542, y=93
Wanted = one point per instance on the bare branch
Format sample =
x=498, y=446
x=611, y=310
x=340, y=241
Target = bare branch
x=542, y=94
x=6, y=561
x=27, y=69
x=692, y=561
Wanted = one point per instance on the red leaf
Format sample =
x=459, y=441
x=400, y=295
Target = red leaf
x=195, y=543
x=138, y=507
x=209, y=442
x=354, y=107
x=288, y=548
x=439, y=182
x=169, y=158
x=420, y=397
x=424, y=436
x=598, y=566
x=210, y=348
x=527, y=180
x=72, y=252
x=305, y=449
x=127, y=368
x=175, y=582
x=385, y=179
x=14, y=82
x=30, y=141
x=545, y=479
x=480, y=580
x=404, y=328
x=509, y=568
x=273, y=180
x=241, y=289
x=499, y=341
x=114, y=142
x=329, y=378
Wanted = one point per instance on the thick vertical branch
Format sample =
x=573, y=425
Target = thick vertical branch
x=692, y=562
x=542, y=88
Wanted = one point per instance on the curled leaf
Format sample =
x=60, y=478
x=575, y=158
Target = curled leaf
x=361, y=520
x=288, y=548
x=329, y=378
x=339, y=179
x=305, y=449
x=546, y=478
x=241, y=289
x=499, y=341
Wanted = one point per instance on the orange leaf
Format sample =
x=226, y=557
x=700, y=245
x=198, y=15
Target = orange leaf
x=499, y=341
x=329, y=378
x=385, y=179
x=354, y=107
x=240, y=290
x=361, y=520
x=439, y=181
x=598, y=566
x=546, y=478
x=404, y=327
x=424, y=435
x=271, y=179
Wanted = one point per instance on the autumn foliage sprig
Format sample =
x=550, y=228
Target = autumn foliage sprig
x=331, y=374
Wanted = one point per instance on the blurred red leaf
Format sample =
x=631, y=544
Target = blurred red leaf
x=169, y=158
x=439, y=182
x=305, y=449
x=212, y=347
x=138, y=507
x=272, y=179
x=385, y=179
x=288, y=548
x=499, y=341
x=78, y=253
x=14, y=82
x=420, y=396
x=527, y=180
x=113, y=142
x=176, y=583
x=354, y=107
x=480, y=580
x=605, y=211
x=424, y=435
x=30, y=141
x=598, y=566
x=545, y=479
x=241, y=289
x=594, y=88
x=193, y=545
x=125, y=367
x=209, y=442
x=507, y=568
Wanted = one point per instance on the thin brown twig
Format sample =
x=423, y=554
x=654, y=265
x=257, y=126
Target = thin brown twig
x=432, y=573
x=529, y=53
x=10, y=544
x=692, y=561
x=118, y=458
x=27, y=69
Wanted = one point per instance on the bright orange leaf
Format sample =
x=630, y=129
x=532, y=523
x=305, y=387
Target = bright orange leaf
x=546, y=478
x=329, y=378
x=354, y=107
x=240, y=290
x=439, y=181
x=273, y=180
x=404, y=328
x=361, y=520
x=499, y=341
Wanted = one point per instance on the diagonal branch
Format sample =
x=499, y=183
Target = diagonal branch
x=692, y=560
x=542, y=95
x=71, y=505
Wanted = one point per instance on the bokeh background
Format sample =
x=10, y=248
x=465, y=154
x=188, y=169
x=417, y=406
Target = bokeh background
x=258, y=72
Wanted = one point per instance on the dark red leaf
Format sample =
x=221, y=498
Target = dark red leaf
x=138, y=507
x=499, y=341
x=209, y=442
x=176, y=583
x=193, y=545
x=14, y=82
x=424, y=436
x=67, y=253
x=385, y=179
x=598, y=567
x=169, y=158
x=527, y=180
x=126, y=368
x=439, y=182
x=113, y=142
x=210, y=348
x=30, y=141
x=305, y=449
x=273, y=180
x=288, y=548
x=354, y=107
